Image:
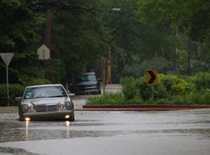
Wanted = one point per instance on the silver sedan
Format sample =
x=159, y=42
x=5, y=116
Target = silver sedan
x=49, y=102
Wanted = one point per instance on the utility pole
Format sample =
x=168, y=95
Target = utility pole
x=109, y=67
x=104, y=72
x=109, y=57
x=48, y=33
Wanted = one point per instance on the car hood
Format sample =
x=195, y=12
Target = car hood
x=46, y=101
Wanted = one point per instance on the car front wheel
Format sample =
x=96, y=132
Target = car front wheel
x=72, y=118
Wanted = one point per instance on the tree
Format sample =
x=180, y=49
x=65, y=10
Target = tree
x=20, y=32
x=181, y=18
x=76, y=35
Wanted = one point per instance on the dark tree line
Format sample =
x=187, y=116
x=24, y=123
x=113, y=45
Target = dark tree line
x=170, y=36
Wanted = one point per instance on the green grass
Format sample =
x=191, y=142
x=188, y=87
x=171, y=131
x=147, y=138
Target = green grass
x=117, y=99
x=112, y=99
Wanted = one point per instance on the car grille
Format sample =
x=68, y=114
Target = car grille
x=45, y=108
x=52, y=108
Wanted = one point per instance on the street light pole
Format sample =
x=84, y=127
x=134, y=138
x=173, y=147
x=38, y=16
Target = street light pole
x=109, y=58
x=109, y=67
x=103, y=74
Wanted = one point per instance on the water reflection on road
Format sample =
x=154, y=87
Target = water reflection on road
x=96, y=124
x=108, y=124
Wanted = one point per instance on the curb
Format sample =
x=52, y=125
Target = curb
x=11, y=109
x=165, y=107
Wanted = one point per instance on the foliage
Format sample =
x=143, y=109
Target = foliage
x=77, y=36
x=202, y=80
x=107, y=99
x=113, y=99
x=171, y=85
x=192, y=98
x=16, y=90
x=174, y=84
x=171, y=89
x=186, y=22
x=37, y=81
x=167, y=35
x=138, y=66
x=18, y=25
x=20, y=33
x=129, y=87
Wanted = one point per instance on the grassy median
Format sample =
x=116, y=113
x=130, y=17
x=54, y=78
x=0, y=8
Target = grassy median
x=172, y=89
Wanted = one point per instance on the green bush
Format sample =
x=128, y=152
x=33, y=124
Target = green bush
x=144, y=91
x=14, y=89
x=113, y=99
x=192, y=98
x=107, y=99
x=37, y=81
x=129, y=85
x=199, y=97
x=147, y=92
x=33, y=80
x=202, y=81
x=171, y=89
x=174, y=85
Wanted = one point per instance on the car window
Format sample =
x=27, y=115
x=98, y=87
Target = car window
x=88, y=78
x=44, y=92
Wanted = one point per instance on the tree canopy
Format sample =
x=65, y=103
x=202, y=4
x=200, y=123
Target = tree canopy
x=172, y=36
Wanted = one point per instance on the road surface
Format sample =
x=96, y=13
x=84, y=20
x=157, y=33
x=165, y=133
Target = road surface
x=110, y=133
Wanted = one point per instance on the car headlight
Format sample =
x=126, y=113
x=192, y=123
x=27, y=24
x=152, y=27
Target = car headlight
x=28, y=108
x=68, y=105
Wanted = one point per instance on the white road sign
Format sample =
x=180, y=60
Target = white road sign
x=43, y=52
x=7, y=57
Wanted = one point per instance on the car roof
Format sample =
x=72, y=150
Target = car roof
x=44, y=85
x=89, y=73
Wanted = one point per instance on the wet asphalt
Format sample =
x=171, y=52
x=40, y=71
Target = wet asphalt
x=110, y=133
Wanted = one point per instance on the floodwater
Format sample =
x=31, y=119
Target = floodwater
x=129, y=133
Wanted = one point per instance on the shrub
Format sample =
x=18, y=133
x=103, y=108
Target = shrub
x=160, y=91
x=144, y=91
x=174, y=85
x=171, y=89
x=202, y=97
x=113, y=99
x=107, y=99
x=129, y=85
x=37, y=81
x=202, y=81
x=147, y=92
x=14, y=89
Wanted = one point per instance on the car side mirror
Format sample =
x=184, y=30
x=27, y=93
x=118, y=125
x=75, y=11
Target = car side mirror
x=71, y=94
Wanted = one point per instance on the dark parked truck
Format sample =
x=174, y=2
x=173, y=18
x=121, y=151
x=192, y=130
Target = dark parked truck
x=86, y=83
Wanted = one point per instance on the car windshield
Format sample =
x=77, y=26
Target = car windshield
x=88, y=78
x=44, y=92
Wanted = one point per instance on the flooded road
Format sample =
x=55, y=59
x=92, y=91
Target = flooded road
x=110, y=133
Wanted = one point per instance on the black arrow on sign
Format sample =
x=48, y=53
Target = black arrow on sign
x=153, y=77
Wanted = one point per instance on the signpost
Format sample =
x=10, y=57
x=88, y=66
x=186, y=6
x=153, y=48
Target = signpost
x=43, y=52
x=151, y=77
x=7, y=57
